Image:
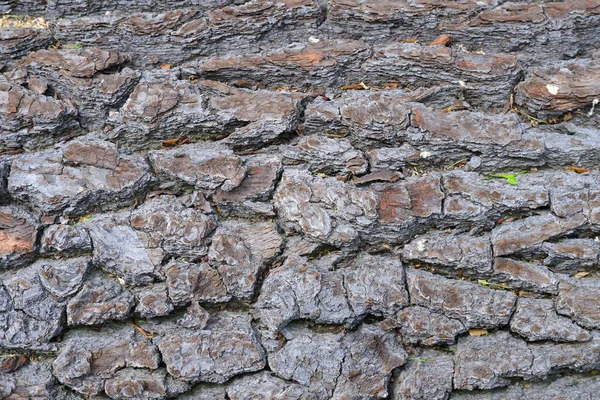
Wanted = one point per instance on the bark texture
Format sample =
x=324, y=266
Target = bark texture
x=299, y=199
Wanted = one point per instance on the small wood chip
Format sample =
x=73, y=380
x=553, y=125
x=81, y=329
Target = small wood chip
x=337, y=135
x=355, y=86
x=581, y=274
x=478, y=332
x=579, y=170
x=523, y=293
x=391, y=85
x=170, y=143
x=143, y=332
x=381, y=176
x=441, y=40
x=505, y=219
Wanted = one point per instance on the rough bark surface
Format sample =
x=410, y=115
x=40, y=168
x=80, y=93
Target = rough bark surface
x=299, y=199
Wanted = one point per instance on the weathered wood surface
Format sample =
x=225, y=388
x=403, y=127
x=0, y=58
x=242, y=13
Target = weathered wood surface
x=299, y=199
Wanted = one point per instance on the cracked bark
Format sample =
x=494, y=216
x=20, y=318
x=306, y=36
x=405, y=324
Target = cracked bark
x=200, y=170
